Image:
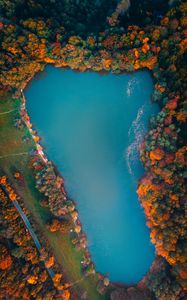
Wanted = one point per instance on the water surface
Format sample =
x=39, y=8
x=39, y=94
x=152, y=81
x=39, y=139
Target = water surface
x=91, y=126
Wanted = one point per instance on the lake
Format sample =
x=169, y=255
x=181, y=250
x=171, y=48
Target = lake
x=91, y=126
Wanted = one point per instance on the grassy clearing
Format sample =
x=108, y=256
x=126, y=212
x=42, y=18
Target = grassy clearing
x=12, y=143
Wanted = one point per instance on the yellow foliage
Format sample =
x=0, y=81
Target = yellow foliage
x=107, y=63
x=57, y=278
x=183, y=46
x=145, y=40
x=181, y=116
x=156, y=154
x=32, y=279
x=49, y=60
x=156, y=34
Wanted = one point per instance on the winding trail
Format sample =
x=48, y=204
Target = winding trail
x=14, y=154
x=7, y=112
x=77, y=281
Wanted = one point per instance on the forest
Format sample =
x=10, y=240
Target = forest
x=128, y=36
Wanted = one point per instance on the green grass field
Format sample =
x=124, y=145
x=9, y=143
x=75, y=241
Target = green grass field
x=11, y=145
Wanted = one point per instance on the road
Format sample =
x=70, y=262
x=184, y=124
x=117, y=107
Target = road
x=31, y=231
x=29, y=227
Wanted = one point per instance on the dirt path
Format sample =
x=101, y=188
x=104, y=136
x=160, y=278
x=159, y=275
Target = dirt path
x=14, y=154
x=7, y=112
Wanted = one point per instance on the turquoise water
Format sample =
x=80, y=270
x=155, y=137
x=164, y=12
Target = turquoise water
x=91, y=125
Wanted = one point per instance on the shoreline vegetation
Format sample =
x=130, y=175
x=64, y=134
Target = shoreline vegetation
x=160, y=49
